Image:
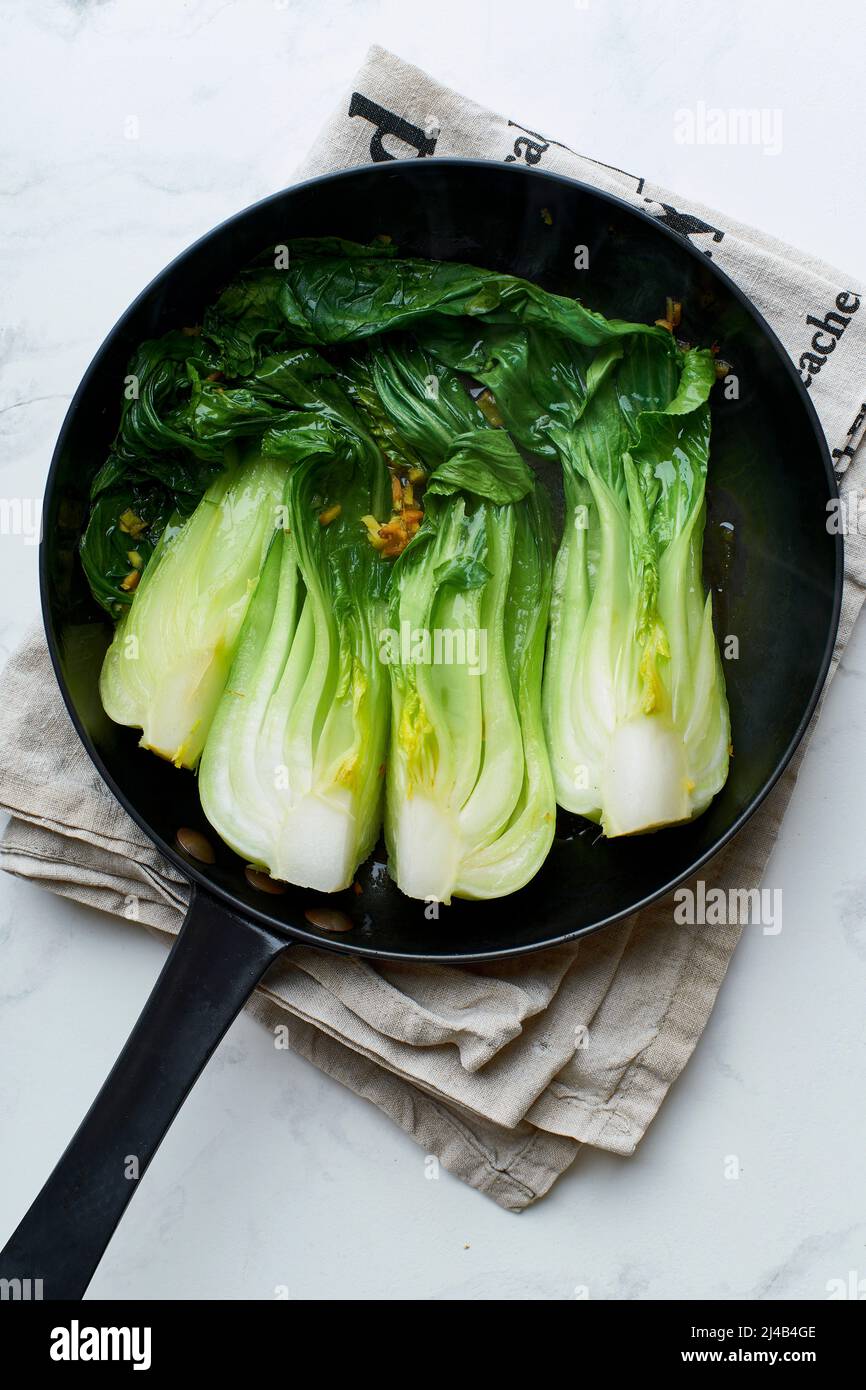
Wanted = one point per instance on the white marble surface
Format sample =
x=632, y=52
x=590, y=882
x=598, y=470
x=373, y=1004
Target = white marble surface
x=273, y=1175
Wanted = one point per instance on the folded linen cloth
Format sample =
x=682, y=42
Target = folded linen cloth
x=500, y=1071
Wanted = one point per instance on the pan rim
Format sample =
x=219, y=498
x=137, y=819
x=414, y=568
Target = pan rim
x=198, y=877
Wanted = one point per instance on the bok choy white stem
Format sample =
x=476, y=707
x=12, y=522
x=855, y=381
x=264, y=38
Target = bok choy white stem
x=169, y=660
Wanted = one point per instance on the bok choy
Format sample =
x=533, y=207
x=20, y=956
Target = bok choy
x=470, y=808
x=635, y=705
x=293, y=770
x=323, y=533
x=166, y=667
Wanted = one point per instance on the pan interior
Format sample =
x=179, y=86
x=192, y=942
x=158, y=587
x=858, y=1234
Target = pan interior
x=769, y=558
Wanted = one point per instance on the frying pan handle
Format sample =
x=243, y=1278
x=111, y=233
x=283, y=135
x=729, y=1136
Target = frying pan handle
x=212, y=969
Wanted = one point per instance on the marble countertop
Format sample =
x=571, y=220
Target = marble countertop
x=129, y=129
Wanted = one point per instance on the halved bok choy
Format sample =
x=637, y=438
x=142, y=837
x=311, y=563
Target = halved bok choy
x=292, y=776
x=470, y=809
x=634, y=700
x=168, y=662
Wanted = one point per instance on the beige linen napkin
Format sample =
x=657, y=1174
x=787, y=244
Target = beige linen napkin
x=500, y=1071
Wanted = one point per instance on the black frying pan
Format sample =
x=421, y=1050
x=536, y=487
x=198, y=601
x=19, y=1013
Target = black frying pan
x=778, y=590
